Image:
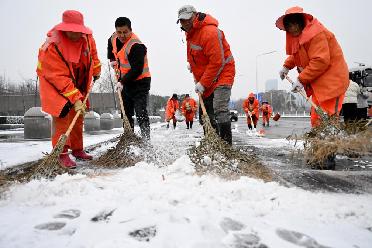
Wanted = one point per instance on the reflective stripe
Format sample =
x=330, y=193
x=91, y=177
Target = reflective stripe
x=129, y=46
x=224, y=61
x=39, y=65
x=71, y=93
x=146, y=69
x=125, y=66
x=97, y=65
x=195, y=47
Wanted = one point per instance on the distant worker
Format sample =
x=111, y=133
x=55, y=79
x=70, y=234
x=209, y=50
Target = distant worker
x=171, y=109
x=251, y=108
x=315, y=52
x=128, y=56
x=266, y=113
x=189, y=108
x=212, y=65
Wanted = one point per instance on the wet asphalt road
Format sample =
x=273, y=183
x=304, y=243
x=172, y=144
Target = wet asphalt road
x=352, y=175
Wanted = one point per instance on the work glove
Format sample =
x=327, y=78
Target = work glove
x=199, y=88
x=119, y=86
x=78, y=105
x=189, y=68
x=283, y=72
x=297, y=86
x=113, y=64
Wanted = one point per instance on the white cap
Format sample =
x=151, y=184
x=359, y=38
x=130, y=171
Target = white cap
x=185, y=12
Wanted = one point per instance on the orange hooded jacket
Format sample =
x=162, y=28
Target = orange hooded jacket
x=57, y=79
x=253, y=108
x=172, y=106
x=189, y=107
x=209, y=55
x=319, y=58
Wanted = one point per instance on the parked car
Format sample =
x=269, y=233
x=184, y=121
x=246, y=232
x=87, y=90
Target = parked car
x=233, y=115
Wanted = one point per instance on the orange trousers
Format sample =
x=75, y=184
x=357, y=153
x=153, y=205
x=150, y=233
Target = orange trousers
x=265, y=118
x=189, y=116
x=331, y=107
x=60, y=126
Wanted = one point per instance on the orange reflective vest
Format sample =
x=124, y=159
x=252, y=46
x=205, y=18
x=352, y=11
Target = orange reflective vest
x=123, y=66
x=57, y=79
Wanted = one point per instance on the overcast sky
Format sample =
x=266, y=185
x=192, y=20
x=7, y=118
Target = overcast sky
x=248, y=25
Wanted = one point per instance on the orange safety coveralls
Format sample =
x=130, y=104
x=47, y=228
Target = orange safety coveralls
x=62, y=83
x=170, y=112
x=189, y=107
x=251, y=109
x=321, y=65
x=209, y=54
x=266, y=113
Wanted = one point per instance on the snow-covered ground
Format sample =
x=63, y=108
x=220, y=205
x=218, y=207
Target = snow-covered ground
x=164, y=204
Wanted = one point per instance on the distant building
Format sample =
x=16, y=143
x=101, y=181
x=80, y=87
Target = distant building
x=271, y=84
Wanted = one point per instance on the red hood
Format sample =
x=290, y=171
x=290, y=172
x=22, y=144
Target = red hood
x=202, y=20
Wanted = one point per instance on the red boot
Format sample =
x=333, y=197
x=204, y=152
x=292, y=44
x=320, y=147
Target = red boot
x=66, y=161
x=82, y=155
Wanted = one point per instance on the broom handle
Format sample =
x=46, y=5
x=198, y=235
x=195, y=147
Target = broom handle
x=304, y=95
x=202, y=104
x=78, y=113
x=125, y=119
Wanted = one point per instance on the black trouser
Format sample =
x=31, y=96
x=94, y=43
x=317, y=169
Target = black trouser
x=216, y=106
x=361, y=113
x=135, y=99
x=349, y=111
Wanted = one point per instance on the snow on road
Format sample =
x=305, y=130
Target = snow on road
x=164, y=204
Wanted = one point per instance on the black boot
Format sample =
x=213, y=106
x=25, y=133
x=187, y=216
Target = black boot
x=225, y=132
x=249, y=126
x=174, y=125
x=191, y=122
x=187, y=125
x=168, y=124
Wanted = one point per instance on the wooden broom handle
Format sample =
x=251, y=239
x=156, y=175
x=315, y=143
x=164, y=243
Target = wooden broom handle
x=202, y=104
x=78, y=113
x=304, y=94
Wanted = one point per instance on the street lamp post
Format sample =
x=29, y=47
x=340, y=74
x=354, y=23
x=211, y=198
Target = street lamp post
x=259, y=55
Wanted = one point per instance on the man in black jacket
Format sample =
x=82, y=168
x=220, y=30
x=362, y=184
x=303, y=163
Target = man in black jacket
x=128, y=57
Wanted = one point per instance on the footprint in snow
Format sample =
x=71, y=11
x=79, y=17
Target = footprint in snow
x=299, y=239
x=50, y=226
x=103, y=215
x=228, y=224
x=247, y=240
x=144, y=234
x=68, y=214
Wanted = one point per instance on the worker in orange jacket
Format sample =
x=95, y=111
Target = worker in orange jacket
x=67, y=62
x=266, y=113
x=315, y=52
x=171, y=109
x=323, y=72
x=128, y=56
x=251, y=108
x=189, y=107
x=212, y=65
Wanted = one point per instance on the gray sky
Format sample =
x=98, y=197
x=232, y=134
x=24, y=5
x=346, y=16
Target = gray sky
x=248, y=25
